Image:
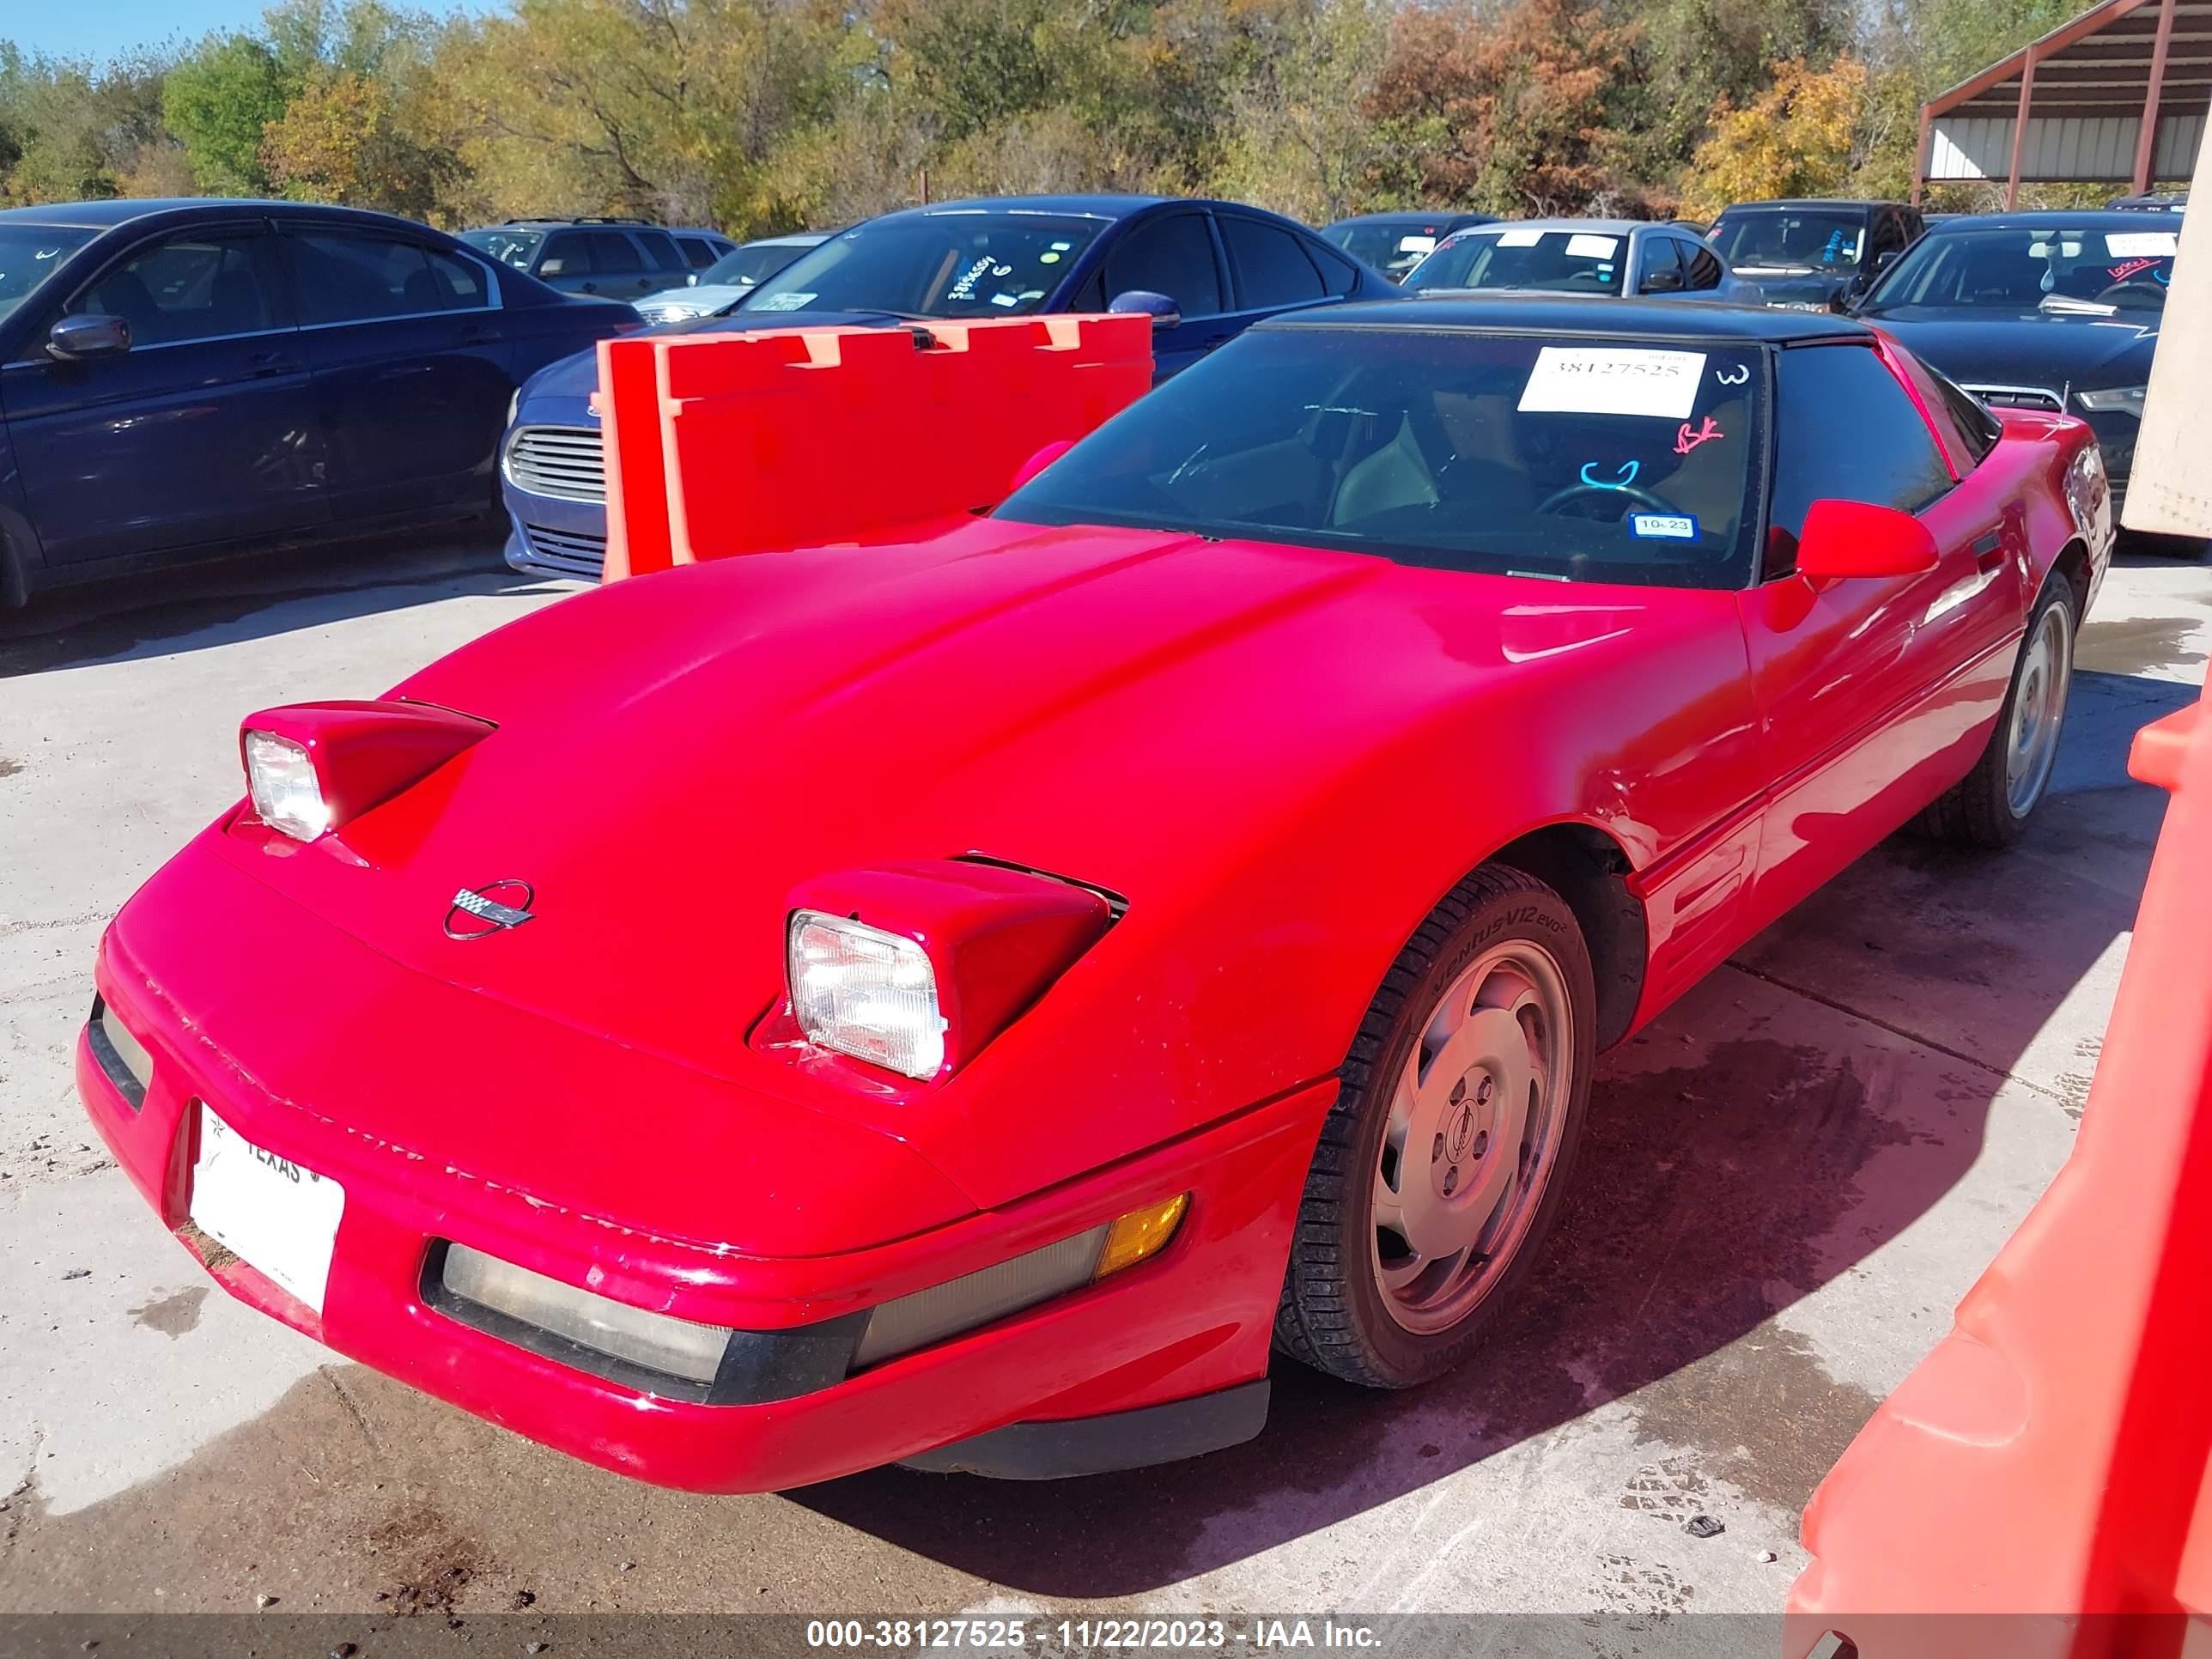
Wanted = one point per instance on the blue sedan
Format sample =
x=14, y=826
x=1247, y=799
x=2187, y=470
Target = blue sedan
x=186, y=379
x=1204, y=271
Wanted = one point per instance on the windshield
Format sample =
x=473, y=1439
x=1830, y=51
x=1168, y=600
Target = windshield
x=1393, y=249
x=956, y=264
x=510, y=247
x=31, y=253
x=1557, y=261
x=1598, y=460
x=2052, y=269
x=753, y=263
x=1770, y=239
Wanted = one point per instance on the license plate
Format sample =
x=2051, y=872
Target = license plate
x=280, y=1217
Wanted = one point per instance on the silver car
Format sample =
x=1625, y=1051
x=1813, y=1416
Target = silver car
x=729, y=279
x=1623, y=258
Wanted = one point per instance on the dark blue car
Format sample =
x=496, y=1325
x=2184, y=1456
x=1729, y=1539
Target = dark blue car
x=180, y=379
x=1205, y=271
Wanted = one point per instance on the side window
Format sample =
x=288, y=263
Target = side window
x=568, y=254
x=1704, y=268
x=1845, y=430
x=1338, y=273
x=1172, y=256
x=188, y=287
x=1272, y=269
x=1963, y=417
x=345, y=276
x=661, y=248
x=1655, y=258
x=1091, y=296
x=698, y=253
x=612, y=251
x=1888, y=236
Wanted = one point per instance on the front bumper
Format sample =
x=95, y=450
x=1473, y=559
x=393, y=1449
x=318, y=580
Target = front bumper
x=1189, y=1328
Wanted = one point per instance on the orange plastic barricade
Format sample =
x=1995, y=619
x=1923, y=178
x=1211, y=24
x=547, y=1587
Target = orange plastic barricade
x=2045, y=1469
x=721, y=444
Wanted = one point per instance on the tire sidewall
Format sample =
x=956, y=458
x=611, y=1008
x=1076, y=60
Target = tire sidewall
x=1536, y=915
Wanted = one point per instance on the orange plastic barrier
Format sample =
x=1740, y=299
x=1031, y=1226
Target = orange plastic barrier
x=721, y=444
x=2045, y=1467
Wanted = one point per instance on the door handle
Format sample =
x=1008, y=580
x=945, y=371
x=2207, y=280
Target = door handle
x=266, y=363
x=1217, y=342
x=587, y=288
x=479, y=334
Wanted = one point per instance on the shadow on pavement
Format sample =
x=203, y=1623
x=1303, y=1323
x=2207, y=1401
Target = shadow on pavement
x=196, y=606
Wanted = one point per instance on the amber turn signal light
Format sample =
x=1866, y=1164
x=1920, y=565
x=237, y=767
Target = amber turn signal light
x=1140, y=1235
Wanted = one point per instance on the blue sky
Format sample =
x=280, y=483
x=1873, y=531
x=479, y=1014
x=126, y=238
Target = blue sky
x=100, y=28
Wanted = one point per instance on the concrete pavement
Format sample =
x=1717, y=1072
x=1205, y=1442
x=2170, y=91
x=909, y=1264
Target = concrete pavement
x=1789, y=1182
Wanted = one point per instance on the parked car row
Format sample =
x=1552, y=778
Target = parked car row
x=178, y=378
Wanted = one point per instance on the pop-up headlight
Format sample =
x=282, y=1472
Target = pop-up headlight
x=313, y=767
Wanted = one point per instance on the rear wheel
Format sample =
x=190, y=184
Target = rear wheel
x=1992, y=804
x=1445, y=1160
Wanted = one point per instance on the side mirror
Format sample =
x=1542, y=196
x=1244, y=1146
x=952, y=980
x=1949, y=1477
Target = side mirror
x=1885, y=259
x=1164, y=311
x=1854, y=538
x=1037, y=462
x=91, y=334
x=692, y=281
x=1662, y=282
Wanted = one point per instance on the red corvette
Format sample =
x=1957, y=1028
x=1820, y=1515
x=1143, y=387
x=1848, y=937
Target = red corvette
x=966, y=1003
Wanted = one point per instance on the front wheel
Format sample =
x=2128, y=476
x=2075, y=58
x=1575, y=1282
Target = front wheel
x=1445, y=1160
x=1991, y=804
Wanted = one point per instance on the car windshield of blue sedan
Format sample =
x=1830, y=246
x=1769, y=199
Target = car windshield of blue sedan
x=31, y=253
x=1579, y=460
x=1551, y=261
x=2054, y=270
x=953, y=264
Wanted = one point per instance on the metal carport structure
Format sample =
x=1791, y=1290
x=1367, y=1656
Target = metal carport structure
x=2117, y=95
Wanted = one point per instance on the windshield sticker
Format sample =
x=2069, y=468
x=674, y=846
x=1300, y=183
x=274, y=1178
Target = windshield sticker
x=1614, y=380
x=1623, y=476
x=1736, y=376
x=784, y=302
x=1048, y=257
x=1663, y=527
x=1592, y=247
x=1417, y=245
x=964, y=288
x=1005, y=300
x=1685, y=440
x=2127, y=268
x=2134, y=244
x=1519, y=238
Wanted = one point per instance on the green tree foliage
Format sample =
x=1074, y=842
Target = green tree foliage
x=765, y=115
x=216, y=101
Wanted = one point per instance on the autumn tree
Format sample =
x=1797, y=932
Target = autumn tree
x=218, y=101
x=1795, y=138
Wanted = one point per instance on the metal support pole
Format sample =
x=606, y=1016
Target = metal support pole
x=2020, y=128
x=2147, y=140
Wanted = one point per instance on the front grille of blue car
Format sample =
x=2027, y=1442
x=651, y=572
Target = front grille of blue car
x=567, y=462
x=565, y=552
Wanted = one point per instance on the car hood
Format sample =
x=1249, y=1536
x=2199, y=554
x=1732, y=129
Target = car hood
x=1795, y=284
x=2061, y=352
x=676, y=752
x=702, y=300
x=576, y=377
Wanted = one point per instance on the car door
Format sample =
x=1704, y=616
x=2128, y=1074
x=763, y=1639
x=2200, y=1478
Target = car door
x=201, y=434
x=1873, y=691
x=565, y=263
x=620, y=270
x=1172, y=254
x=1657, y=269
x=1270, y=271
x=412, y=369
x=663, y=257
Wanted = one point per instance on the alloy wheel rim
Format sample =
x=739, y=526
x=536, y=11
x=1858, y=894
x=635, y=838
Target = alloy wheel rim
x=2038, y=709
x=1477, y=1111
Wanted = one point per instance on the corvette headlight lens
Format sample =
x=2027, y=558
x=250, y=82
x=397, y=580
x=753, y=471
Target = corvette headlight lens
x=287, y=793
x=866, y=993
x=2114, y=400
x=658, y=1341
